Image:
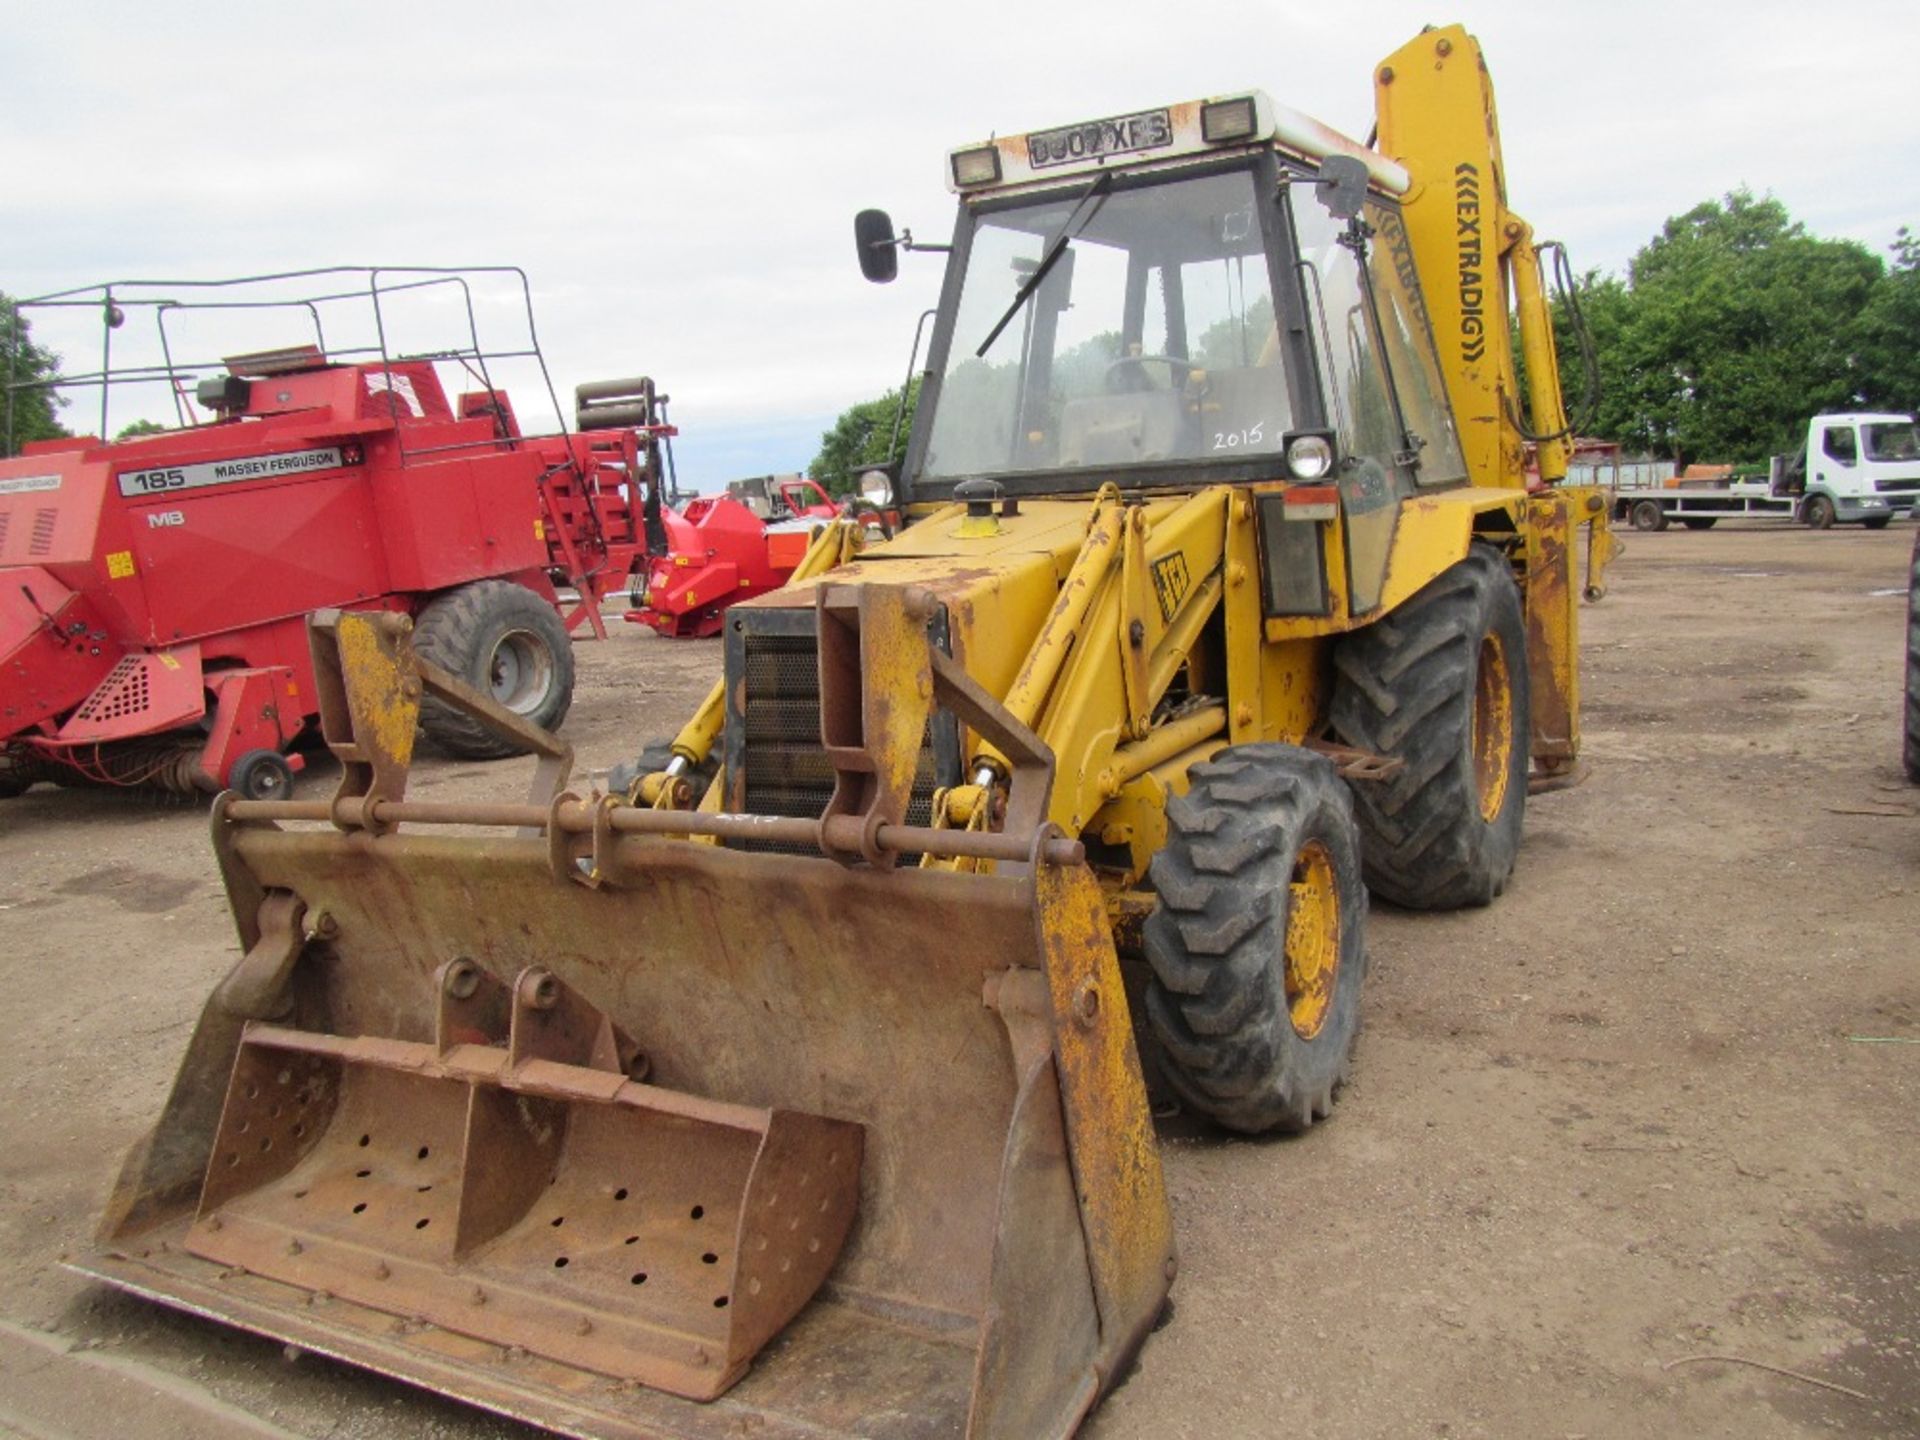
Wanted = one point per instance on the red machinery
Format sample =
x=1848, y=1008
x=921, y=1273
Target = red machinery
x=153, y=590
x=722, y=549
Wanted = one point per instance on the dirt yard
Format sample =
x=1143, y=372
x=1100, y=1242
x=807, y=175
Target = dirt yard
x=1658, y=1104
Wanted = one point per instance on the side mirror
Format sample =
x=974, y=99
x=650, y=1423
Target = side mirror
x=873, y=235
x=1341, y=186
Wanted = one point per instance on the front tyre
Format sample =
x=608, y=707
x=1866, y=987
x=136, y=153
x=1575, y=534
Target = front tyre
x=1258, y=945
x=1441, y=684
x=1819, y=513
x=504, y=641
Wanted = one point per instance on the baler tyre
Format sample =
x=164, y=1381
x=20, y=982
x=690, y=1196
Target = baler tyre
x=1441, y=684
x=261, y=775
x=1819, y=513
x=1911, y=749
x=1877, y=522
x=506, y=642
x=1647, y=515
x=1699, y=522
x=653, y=758
x=16, y=775
x=1258, y=945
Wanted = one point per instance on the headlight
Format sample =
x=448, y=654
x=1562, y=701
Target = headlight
x=1309, y=457
x=876, y=489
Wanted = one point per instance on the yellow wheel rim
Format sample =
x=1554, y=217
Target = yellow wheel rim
x=1313, y=939
x=1492, y=728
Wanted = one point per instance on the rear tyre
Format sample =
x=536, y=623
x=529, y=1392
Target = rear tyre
x=1647, y=515
x=1912, y=746
x=1877, y=522
x=1441, y=683
x=1819, y=513
x=506, y=642
x=1258, y=945
x=261, y=775
x=1698, y=522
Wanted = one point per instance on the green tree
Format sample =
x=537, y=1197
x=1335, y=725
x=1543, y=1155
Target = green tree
x=1732, y=327
x=26, y=372
x=1890, y=331
x=139, y=428
x=859, y=439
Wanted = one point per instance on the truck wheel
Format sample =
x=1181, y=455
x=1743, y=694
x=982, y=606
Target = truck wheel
x=1819, y=513
x=1441, y=683
x=1647, y=515
x=1877, y=522
x=654, y=758
x=506, y=642
x=1912, y=747
x=1698, y=522
x=1258, y=946
x=261, y=775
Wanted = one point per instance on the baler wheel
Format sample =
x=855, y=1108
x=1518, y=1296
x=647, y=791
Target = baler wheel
x=1911, y=749
x=505, y=641
x=1258, y=945
x=261, y=775
x=1441, y=683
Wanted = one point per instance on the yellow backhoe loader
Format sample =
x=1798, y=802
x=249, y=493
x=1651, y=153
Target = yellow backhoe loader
x=797, y=1088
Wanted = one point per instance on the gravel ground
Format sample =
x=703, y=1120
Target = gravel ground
x=1659, y=1103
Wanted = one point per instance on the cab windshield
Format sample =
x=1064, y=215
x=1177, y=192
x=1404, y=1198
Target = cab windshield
x=1150, y=338
x=1892, y=442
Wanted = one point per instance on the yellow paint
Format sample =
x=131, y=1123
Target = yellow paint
x=1492, y=731
x=119, y=564
x=383, y=710
x=1313, y=940
x=169, y=662
x=539, y=529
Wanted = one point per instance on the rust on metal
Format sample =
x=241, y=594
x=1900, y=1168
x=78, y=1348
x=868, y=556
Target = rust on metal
x=630, y=1231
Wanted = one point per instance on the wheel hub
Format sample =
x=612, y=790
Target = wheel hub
x=520, y=671
x=1313, y=939
x=1492, y=738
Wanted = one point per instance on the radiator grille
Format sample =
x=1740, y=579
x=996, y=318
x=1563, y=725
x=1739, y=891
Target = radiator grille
x=787, y=772
x=43, y=527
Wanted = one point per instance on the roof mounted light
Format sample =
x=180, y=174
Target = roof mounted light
x=1222, y=121
x=980, y=166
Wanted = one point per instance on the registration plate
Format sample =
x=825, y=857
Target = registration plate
x=1094, y=139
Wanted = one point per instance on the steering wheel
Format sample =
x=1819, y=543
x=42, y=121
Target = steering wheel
x=1128, y=374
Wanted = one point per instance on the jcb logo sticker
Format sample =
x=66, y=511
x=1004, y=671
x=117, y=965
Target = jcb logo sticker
x=1170, y=583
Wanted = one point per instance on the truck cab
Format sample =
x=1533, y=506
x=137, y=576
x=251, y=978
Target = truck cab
x=1854, y=468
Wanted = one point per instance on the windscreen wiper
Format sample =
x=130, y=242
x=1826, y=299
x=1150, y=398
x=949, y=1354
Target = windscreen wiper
x=1091, y=199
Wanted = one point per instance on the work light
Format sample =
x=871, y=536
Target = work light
x=976, y=167
x=1224, y=120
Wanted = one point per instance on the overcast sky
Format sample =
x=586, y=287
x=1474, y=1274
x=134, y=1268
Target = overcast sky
x=679, y=180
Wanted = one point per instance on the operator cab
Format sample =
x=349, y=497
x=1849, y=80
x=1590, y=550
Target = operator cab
x=1213, y=291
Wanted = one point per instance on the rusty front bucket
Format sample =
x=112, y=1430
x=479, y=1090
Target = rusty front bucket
x=408, y=1133
x=512, y=1183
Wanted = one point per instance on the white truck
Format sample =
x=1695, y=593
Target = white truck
x=1853, y=469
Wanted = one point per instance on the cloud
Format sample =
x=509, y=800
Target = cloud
x=679, y=181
